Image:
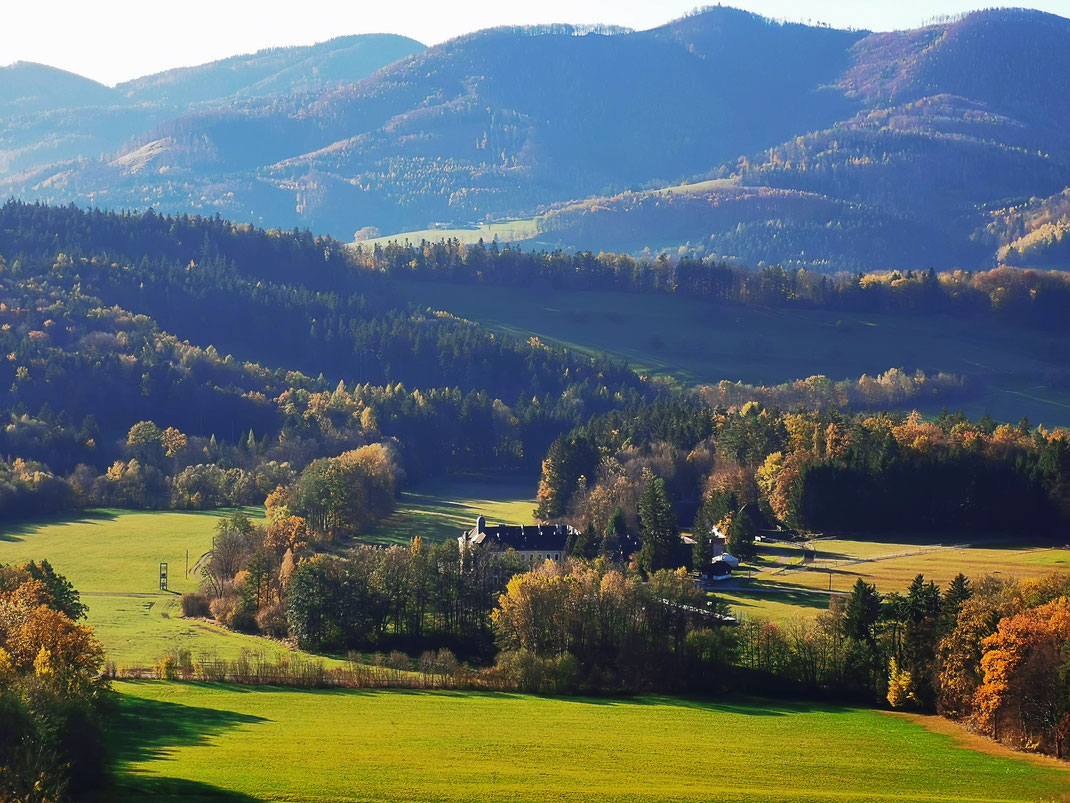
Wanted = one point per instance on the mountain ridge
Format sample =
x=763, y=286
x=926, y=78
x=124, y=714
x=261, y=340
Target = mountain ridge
x=926, y=127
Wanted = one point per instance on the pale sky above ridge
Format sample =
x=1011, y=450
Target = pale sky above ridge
x=115, y=40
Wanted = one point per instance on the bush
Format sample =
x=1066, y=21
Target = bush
x=166, y=668
x=230, y=612
x=271, y=619
x=195, y=605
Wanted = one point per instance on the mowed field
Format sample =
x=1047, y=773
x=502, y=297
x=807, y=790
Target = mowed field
x=441, y=509
x=792, y=580
x=113, y=558
x=700, y=342
x=204, y=742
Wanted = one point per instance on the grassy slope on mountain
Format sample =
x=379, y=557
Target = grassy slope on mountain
x=699, y=342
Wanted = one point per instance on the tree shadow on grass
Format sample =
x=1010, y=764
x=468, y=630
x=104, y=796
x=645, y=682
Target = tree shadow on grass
x=15, y=529
x=147, y=730
x=746, y=596
x=752, y=707
x=135, y=786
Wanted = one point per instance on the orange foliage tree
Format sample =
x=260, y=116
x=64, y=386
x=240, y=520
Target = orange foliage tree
x=1023, y=698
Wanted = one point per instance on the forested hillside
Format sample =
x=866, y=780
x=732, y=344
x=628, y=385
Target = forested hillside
x=833, y=150
x=144, y=353
x=156, y=361
x=50, y=118
x=945, y=136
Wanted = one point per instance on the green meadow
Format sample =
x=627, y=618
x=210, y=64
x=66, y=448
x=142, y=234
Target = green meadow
x=506, y=231
x=698, y=342
x=440, y=509
x=206, y=742
x=792, y=580
x=113, y=558
x=894, y=572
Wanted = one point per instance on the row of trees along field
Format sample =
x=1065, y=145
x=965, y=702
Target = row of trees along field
x=994, y=653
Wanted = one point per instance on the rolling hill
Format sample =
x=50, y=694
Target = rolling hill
x=53, y=123
x=831, y=149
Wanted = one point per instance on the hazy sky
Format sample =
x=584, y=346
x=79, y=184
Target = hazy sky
x=112, y=40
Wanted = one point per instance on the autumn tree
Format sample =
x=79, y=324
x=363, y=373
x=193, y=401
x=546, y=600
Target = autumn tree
x=173, y=442
x=345, y=494
x=1024, y=697
x=52, y=692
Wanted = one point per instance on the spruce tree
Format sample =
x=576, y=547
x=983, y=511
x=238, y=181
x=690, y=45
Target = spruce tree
x=657, y=527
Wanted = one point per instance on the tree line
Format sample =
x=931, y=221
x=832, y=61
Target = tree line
x=1029, y=298
x=816, y=471
x=990, y=651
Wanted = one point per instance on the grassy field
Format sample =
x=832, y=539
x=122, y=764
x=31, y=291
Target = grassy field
x=894, y=573
x=791, y=581
x=698, y=342
x=775, y=603
x=112, y=557
x=202, y=742
x=507, y=231
x=441, y=509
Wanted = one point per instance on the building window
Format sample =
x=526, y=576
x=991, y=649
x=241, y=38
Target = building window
x=557, y=556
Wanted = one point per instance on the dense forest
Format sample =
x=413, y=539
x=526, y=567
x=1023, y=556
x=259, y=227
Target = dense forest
x=813, y=471
x=190, y=362
x=100, y=395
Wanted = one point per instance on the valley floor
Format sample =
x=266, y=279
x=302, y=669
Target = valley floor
x=207, y=742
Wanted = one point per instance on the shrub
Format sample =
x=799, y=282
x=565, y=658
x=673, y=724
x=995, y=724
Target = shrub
x=230, y=612
x=195, y=605
x=271, y=619
x=166, y=668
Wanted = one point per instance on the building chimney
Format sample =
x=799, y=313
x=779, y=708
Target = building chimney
x=481, y=524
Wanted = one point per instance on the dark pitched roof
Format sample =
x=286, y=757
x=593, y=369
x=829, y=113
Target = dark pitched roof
x=523, y=537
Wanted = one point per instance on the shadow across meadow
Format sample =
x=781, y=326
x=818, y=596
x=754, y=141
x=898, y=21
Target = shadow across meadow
x=14, y=529
x=146, y=730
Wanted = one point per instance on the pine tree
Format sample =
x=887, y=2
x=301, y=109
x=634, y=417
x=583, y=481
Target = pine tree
x=862, y=613
x=741, y=534
x=957, y=593
x=657, y=526
x=615, y=532
x=587, y=543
